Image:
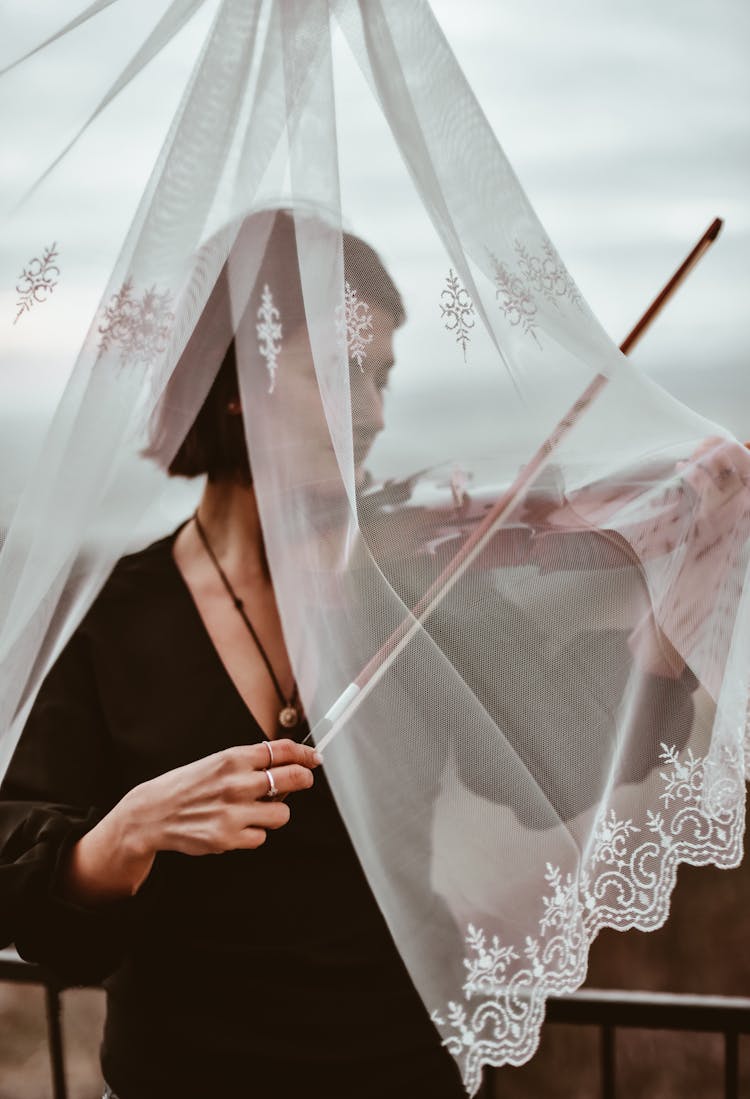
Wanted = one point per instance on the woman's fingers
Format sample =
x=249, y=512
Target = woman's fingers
x=257, y=819
x=289, y=751
x=248, y=839
x=721, y=458
x=270, y=753
x=266, y=814
x=242, y=783
x=285, y=780
x=718, y=472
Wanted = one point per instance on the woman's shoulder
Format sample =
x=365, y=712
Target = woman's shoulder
x=145, y=574
x=143, y=564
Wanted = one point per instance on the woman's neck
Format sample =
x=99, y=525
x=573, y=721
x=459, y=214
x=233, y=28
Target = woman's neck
x=228, y=513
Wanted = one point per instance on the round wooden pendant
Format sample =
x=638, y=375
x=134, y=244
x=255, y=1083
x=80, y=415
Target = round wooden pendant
x=288, y=717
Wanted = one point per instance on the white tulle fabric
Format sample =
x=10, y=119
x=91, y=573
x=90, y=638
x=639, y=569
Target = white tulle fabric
x=560, y=722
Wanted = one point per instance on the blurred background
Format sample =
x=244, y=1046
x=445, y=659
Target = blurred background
x=629, y=126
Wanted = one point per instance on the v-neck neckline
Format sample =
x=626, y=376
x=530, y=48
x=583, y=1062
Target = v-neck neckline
x=209, y=641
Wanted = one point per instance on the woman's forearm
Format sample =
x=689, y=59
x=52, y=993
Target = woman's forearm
x=109, y=863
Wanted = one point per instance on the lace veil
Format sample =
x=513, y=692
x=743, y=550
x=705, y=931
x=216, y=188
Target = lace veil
x=511, y=571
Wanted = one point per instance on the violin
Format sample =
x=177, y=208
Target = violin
x=417, y=519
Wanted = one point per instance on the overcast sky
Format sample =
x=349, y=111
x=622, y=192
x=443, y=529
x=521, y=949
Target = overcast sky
x=629, y=126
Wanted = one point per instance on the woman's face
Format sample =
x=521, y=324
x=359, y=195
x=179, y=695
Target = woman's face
x=299, y=424
x=367, y=384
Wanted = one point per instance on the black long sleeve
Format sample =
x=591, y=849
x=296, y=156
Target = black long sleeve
x=60, y=783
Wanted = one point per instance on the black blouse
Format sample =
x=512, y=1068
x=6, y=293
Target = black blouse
x=251, y=973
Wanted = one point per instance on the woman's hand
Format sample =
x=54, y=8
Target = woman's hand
x=712, y=523
x=213, y=805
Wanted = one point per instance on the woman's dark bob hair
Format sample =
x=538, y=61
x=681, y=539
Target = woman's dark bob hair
x=215, y=442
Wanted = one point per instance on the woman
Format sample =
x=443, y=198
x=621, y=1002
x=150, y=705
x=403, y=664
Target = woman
x=170, y=728
x=164, y=729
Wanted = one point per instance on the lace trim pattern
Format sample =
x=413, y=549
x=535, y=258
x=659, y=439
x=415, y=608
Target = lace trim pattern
x=625, y=883
x=37, y=280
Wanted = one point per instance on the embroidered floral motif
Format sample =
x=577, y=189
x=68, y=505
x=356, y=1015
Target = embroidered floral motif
x=269, y=334
x=684, y=782
x=546, y=273
x=139, y=324
x=517, y=290
x=514, y=298
x=625, y=882
x=354, y=325
x=488, y=965
x=38, y=279
x=458, y=309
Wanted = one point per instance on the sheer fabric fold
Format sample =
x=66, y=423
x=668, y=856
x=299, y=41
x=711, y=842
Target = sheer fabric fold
x=526, y=729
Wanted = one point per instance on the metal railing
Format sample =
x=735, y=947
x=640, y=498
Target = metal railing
x=13, y=968
x=607, y=1010
x=611, y=1010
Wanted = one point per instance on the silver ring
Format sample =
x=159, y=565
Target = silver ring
x=270, y=752
x=272, y=788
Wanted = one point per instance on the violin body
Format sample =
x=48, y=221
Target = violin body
x=549, y=530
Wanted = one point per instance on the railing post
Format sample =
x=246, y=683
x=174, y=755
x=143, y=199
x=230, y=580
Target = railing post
x=608, y=1062
x=54, y=1034
x=731, y=1065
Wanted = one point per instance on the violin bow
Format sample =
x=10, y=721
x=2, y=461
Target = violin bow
x=354, y=695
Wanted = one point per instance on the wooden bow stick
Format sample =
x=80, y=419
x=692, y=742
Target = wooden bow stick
x=678, y=277
x=357, y=691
